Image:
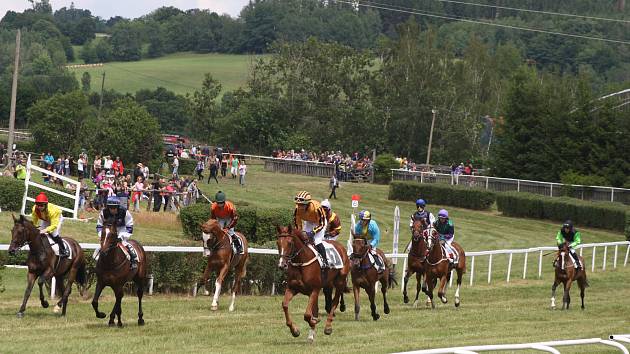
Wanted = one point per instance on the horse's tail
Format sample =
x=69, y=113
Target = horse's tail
x=81, y=275
x=392, y=282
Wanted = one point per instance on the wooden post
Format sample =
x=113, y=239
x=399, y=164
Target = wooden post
x=16, y=70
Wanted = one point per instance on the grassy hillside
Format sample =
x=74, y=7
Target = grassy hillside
x=181, y=72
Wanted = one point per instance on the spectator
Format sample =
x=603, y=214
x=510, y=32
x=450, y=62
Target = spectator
x=175, y=165
x=234, y=166
x=66, y=165
x=242, y=170
x=168, y=192
x=97, y=165
x=20, y=171
x=81, y=162
x=199, y=168
x=49, y=159
x=59, y=167
x=334, y=184
x=118, y=167
x=224, y=163
x=107, y=165
x=214, y=167
x=157, y=193
x=136, y=197
x=137, y=172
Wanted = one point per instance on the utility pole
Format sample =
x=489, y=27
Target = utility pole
x=100, y=104
x=16, y=70
x=434, y=111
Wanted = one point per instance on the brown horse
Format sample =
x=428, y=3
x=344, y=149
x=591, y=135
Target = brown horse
x=438, y=266
x=44, y=264
x=566, y=274
x=365, y=276
x=113, y=269
x=416, y=260
x=222, y=259
x=304, y=276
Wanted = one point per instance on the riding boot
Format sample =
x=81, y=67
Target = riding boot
x=237, y=244
x=576, y=259
x=379, y=263
x=133, y=256
x=63, y=252
x=322, y=252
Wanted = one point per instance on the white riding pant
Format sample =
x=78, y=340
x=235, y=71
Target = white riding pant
x=122, y=234
x=319, y=236
x=43, y=224
x=224, y=223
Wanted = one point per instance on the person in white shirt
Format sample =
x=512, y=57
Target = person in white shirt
x=108, y=164
x=175, y=165
x=242, y=170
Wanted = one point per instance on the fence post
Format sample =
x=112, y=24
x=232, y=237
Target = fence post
x=540, y=264
x=487, y=183
x=593, y=260
x=518, y=185
x=525, y=265
x=615, y=257
x=605, y=252
x=627, y=251
x=421, y=177
x=150, y=284
x=612, y=195
x=551, y=189
x=472, y=268
x=489, y=268
x=509, y=267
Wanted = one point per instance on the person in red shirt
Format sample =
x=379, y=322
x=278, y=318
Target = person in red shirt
x=225, y=213
x=117, y=166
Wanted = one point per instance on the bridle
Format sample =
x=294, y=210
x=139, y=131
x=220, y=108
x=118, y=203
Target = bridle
x=416, y=236
x=108, y=232
x=431, y=236
x=360, y=256
x=290, y=256
x=217, y=244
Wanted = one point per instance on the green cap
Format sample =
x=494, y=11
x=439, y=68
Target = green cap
x=219, y=197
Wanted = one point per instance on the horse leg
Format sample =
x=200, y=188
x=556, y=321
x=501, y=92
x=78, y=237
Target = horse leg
x=342, y=303
x=459, y=284
x=430, y=283
x=328, y=298
x=236, y=288
x=553, y=294
x=62, y=290
x=405, y=281
x=140, y=293
x=567, y=293
x=97, y=294
x=30, y=278
x=217, y=287
x=117, y=310
x=357, y=304
x=442, y=289
x=288, y=295
x=582, y=285
x=339, y=288
x=372, y=296
x=204, y=279
x=418, y=288
x=40, y=282
x=308, y=315
x=384, y=282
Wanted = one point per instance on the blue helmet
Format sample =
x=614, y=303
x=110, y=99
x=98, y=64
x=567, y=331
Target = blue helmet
x=443, y=213
x=113, y=201
x=420, y=203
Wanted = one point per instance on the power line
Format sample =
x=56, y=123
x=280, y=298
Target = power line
x=536, y=11
x=464, y=19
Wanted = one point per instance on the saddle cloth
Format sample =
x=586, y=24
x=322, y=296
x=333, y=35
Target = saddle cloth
x=333, y=257
x=55, y=246
x=123, y=246
x=373, y=261
x=240, y=243
x=453, y=257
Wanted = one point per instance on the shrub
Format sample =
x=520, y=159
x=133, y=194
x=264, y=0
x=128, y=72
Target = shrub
x=456, y=196
x=383, y=164
x=611, y=216
x=187, y=166
x=11, y=193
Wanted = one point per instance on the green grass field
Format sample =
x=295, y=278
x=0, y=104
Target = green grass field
x=490, y=314
x=181, y=72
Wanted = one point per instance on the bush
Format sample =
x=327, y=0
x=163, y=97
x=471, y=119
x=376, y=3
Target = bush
x=605, y=215
x=257, y=224
x=187, y=167
x=383, y=164
x=456, y=196
x=11, y=193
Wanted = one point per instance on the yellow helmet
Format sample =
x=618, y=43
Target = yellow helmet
x=365, y=215
x=303, y=197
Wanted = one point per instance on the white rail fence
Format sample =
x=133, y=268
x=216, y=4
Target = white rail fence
x=497, y=184
x=542, y=346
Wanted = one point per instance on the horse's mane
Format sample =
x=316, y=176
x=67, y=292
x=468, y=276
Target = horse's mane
x=212, y=226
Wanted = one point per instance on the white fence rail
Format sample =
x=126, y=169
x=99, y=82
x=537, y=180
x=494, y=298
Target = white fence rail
x=543, y=346
x=497, y=184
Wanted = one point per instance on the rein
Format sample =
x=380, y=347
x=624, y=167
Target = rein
x=441, y=254
x=289, y=257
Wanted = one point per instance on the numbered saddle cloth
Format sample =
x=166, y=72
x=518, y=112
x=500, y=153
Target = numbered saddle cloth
x=379, y=268
x=332, y=255
x=451, y=254
x=55, y=246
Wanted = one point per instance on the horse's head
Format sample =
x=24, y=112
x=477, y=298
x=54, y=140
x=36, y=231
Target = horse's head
x=213, y=231
x=21, y=234
x=359, y=250
x=286, y=245
x=416, y=229
x=430, y=236
x=563, y=250
x=109, y=236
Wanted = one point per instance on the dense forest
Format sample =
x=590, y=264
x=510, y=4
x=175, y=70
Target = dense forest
x=353, y=78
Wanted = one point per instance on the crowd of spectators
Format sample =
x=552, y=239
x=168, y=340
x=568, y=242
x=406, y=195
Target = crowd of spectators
x=347, y=167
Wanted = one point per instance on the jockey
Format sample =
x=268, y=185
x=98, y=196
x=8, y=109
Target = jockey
x=444, y=226
x=124, y=226
x=49, y=219
x=334, y=223
x=225, y=213
x=310, y=217
x=573, y=237
x=422, y=213
x=368, y=229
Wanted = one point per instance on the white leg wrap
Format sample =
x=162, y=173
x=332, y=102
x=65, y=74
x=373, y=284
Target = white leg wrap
x=217, y=291
x=97, y=251
x=311, y=334
x=233, y=299
x=457, y=292
x=553, y=302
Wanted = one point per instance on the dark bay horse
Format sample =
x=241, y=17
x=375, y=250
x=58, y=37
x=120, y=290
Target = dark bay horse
x=365, y=276
x=113, y=269
x=304, y=276
x=416, y=260
x=44, y=264
x=438, y=266
x=222, y=259
x=567, y=274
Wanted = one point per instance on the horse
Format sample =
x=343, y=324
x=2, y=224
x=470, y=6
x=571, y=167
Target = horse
x=304, y=276
x=113, y=269
x=43, y=264
x=416, y=260
x=222, y=259
x=566, y=274
x=365, y=276
x=438, y=267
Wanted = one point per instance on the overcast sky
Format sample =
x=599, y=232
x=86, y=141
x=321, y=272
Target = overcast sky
x=130, y=8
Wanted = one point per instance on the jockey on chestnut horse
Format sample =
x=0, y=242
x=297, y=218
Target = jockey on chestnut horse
x=568, y=265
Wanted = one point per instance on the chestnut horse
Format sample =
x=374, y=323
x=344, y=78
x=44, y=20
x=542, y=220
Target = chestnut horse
x=438, y=266
x=113, y=269
x=43, y=264
x=566, y=274
x=365, y=276
x=222, y=259
x=304, y=276
x=416, y=261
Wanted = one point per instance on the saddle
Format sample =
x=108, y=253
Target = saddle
x=372, y=256
x=332, y=255
x=123, y=247
x=55, y=247
x=233, y=241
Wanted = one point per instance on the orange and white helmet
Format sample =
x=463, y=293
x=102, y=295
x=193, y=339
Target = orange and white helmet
x=303, y=197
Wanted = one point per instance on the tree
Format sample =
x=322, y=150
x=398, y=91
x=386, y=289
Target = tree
x=203, y=108
x=56, y=122
x=126, y=42
x=86, y=79
x=171, y=110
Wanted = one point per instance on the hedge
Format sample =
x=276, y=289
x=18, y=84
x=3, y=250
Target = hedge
x=11, y=193
x=442, y=194
x=605, y=215
x=257, y=224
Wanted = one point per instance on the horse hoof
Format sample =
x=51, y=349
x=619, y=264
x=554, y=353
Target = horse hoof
x=111, y=324
x=45, y=304
x=120, y=325
x=342, y=308
x=386, y=311
x=311, y=335
x=415, y=304
x=444, y=300
x=101, y=315
x=356, y=316
x=206, y=293
x=295, y=333
x=328, y=331
x=20, y=315
x=231, y=309
x=214, y=307
x=56, y=309
x=140, y=322
x=406, y=300
x=376, y=316
x=456, y=302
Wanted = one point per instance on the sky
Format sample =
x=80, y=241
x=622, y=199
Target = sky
x=130, y=8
